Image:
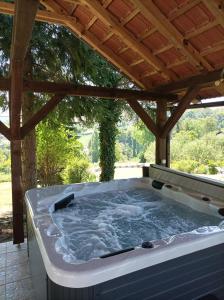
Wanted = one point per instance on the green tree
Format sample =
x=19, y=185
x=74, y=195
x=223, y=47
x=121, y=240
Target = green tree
x=60, y=157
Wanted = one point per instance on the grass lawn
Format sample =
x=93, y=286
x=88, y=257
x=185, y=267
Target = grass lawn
x=5, y=197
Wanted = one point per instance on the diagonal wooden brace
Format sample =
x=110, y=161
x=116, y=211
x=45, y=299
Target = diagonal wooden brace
x=41, y=114
x=144, y=116
x=180, y=109
x=5, y=130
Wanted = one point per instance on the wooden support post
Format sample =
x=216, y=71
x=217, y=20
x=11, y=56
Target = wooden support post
x=162, y=143
x=15, y=145
x=22, y=31
x=17, y=192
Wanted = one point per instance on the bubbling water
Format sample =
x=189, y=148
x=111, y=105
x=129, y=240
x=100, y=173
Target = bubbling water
x=96, y=224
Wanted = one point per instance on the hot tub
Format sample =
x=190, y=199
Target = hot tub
x=157, y=237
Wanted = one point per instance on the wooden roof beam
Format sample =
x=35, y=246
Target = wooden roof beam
x=201, y=80
x=151, y=11
x=162, y=91
x=87, y=90
x=127, y=37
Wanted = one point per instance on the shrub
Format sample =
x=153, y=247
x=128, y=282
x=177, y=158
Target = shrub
x=5, y=177
x=185, y=165
x=77, y=170
x=201, y=169
x=212, y=168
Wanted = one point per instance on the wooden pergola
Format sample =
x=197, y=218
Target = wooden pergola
x=173, y=51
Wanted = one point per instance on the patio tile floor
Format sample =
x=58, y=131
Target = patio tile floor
x=15, y=278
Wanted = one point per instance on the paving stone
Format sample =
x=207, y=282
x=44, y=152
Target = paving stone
x=20, y=290
x=2, y=276
x=2, y=260
x=17, y=272
x=10, y=247
x=2, y=291
x=18, y=257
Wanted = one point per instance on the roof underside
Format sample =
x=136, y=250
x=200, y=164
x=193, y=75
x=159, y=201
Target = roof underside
x=153, y=42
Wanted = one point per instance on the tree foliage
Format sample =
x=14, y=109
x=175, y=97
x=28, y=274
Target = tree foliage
x=60, y=157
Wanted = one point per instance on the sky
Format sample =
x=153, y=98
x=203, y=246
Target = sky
x=4, y=116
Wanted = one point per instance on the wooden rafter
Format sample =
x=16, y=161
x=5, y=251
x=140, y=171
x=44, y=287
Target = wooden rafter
x=183, y=9
x=56, y=17
x=202, y=29
x=216, y=9
x=41, y=114
x=5, y=130
x=128, y=38
x=93, y=20
x=180, y=109
x=152, y=13
x=215, y=48
x=144, y=116
x=87, y=36
x=87, y=90
x=130, y=17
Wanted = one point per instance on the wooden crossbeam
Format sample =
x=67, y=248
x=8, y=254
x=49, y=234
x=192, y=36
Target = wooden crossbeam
x=207, y=104
x=132, y=42
x=5, y=130
x=152, y=12
x=199, y=80
x=180, y=109
x=144, y=116
x=102, y=92
x=162, y=92
x=87, y=90
x=41, y=114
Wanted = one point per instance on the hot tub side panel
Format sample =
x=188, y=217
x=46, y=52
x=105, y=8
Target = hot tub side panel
x=188, y=277
x=37, y=268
